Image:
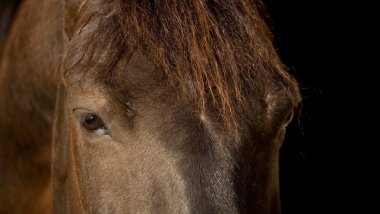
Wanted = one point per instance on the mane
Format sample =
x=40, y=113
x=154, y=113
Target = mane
x=220, y=50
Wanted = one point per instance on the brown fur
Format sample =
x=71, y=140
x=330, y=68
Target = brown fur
x=194, y=93
x=216, y=51
x=27, y=95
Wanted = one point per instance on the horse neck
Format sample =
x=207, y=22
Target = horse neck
x=30, y=59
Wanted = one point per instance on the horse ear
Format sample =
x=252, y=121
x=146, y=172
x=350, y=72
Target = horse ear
x=79, y=12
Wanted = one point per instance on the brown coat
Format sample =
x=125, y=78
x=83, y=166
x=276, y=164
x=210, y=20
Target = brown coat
x=190, y=102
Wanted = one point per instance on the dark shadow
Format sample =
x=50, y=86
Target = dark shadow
x=7, y=10
x=306, y=45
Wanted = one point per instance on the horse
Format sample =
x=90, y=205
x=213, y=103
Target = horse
x=142, y=106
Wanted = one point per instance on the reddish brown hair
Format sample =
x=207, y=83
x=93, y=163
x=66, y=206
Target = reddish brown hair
x=221, y=50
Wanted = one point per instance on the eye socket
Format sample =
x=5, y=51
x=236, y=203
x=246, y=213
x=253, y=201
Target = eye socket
x=93, y=123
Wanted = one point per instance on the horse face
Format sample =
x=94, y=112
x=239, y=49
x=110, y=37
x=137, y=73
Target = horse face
x=150, y=150
x=135, y=143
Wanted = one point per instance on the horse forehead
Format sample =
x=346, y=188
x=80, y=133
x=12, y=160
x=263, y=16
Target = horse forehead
x=139, y=70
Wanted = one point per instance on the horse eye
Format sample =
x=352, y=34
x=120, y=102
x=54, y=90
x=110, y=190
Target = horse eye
x=93, y=123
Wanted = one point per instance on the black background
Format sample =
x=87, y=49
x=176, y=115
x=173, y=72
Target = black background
x=318, y=172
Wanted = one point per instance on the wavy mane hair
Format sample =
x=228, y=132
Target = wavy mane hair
x=216, y=51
